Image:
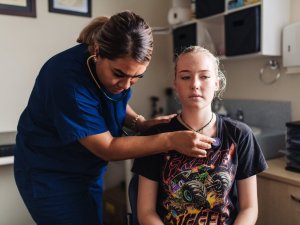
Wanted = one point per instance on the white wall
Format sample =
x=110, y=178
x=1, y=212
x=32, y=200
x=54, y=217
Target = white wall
x=26, y=43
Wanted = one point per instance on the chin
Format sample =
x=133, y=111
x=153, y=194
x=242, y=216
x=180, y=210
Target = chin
x=118, y=91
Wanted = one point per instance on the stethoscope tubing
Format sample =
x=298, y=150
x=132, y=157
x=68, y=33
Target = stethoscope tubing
x=102, y=91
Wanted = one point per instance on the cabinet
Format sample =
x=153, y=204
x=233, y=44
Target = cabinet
x=273, y=16
x=278, y=195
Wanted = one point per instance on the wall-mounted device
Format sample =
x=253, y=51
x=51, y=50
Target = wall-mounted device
x=291, y=48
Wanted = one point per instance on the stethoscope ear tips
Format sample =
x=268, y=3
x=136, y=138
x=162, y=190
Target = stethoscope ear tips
x=216, y=143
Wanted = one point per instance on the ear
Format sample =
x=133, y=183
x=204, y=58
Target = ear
x=217, y=84
x=96, y=49
x=174, y=84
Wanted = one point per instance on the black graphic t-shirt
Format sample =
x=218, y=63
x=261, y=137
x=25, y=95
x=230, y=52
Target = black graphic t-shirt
x=202, y=191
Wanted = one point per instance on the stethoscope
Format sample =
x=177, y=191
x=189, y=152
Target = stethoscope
x=102, y=91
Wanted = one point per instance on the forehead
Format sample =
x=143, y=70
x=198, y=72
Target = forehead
x=128, y=65
x=195, y=60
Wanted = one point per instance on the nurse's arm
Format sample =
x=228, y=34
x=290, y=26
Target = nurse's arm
x=111, y=148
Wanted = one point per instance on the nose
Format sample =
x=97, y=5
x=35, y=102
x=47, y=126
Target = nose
x=125, y=83
x=195, y=83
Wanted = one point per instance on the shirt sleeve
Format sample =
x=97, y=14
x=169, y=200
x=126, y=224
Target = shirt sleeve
x=250, y=156
x=73, y=108
x=149, y=166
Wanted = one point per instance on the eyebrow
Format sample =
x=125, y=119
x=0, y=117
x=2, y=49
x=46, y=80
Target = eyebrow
x=127, y=75
x=183, y=71
x=200, y=71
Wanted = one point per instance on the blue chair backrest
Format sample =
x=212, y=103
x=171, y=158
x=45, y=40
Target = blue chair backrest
x=132, y=192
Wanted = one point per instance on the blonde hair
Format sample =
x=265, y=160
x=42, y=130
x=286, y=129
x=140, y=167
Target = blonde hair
x=218, y=72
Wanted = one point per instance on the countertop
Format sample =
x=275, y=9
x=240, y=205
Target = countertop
x=277, y=171
x=7, y=138
x=6, y=160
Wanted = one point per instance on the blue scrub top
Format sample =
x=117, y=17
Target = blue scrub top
x=65, y=105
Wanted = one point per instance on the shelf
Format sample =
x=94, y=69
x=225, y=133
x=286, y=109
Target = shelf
x=217, y=18
x=254, y=31
x=240, y=57
x=228, y=11
x=268, y=31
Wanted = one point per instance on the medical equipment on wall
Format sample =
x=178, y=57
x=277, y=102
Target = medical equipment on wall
x=291, y=48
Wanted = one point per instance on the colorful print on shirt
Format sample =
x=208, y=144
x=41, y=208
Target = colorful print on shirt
x=198, y=188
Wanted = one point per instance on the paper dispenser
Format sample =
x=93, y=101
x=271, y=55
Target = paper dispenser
x=291, y=48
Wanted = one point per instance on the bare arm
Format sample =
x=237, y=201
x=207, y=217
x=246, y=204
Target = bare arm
x=247, y=189
x=118, y=148
x=147, y=192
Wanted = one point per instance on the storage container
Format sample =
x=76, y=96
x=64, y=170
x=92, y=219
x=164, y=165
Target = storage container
x=293, y=146
x=205, y=8
x=242, y=32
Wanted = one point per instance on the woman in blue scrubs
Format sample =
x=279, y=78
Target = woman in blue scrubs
x=72, y=125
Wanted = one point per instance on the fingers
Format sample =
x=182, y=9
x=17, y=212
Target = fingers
x=172, y=116
x=166, y=118
x=155, y=121
x=198, y=153
x=191, y=143
x=161, y=119
x=205, y=139
x=202, y=145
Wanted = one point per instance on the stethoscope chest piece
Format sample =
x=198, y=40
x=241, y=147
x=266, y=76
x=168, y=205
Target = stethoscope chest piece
x=216, y=144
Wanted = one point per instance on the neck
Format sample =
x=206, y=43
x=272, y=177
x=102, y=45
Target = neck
x=198, y=122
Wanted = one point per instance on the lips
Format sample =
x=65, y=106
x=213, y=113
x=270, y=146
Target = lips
x=195, y=96
x=117, y=90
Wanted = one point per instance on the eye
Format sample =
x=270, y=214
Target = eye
x=118, y=74
x=121, y=75
x=185, y=76
x=140, y=76
x=137, y=77
x=204, y=77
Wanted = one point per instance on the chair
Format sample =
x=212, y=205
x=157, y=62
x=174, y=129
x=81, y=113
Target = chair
x=132, y=193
